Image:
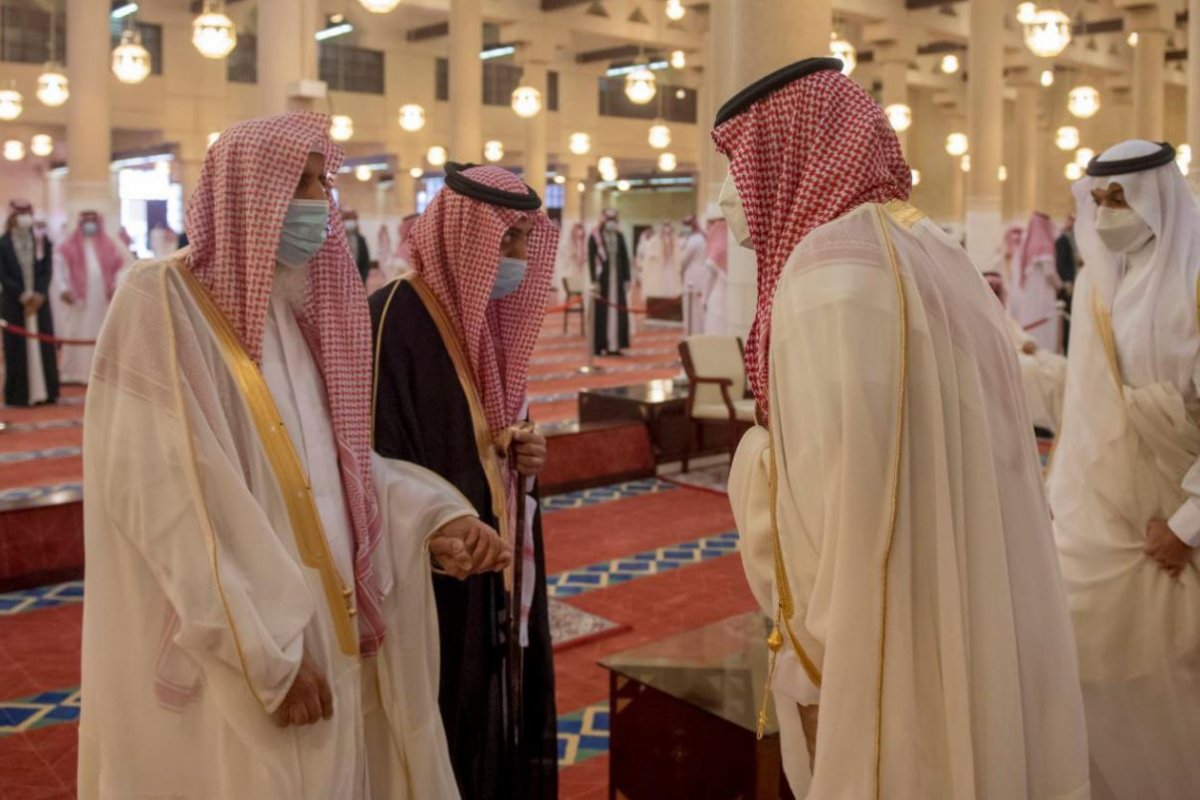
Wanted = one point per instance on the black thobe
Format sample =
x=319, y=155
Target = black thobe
x=12, y=286
x=601, y=272
x=422, y=416
x=1066, y=264
x=362, y=256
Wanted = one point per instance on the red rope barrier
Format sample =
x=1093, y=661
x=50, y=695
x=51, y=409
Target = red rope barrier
x=622, y=308
x=577, y=301
x=17, y=330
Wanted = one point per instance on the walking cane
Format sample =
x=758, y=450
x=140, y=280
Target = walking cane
x=515, y=653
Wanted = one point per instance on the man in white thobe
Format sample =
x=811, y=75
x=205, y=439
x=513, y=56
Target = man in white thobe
x=85, y=277
x=1043, y=373
x=893, y=517
x=693, y=259
x=1125, y=477
x=259, y=618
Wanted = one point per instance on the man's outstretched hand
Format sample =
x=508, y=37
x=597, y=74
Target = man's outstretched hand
x=466, y=546
x=1166, y=548
x=308, y=701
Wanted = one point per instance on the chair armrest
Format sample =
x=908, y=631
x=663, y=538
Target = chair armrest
x=724, y=383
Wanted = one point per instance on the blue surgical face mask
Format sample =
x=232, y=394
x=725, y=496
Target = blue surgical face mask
x=509, y=277
x=90, y=228
x=303, y=232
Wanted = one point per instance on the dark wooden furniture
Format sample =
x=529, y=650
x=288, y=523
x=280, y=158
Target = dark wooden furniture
x=734, y=427
x=683, y=713
x=574, y=305
x=661, y=405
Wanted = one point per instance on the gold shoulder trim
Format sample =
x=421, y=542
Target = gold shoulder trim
x=484, y=444
x=1103, y=320
x=285, y=464
x=903, y=214
x=893, y=513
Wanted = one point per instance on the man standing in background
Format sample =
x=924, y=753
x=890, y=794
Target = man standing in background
x=85, y=281
x=31, y=372
x=358, y=243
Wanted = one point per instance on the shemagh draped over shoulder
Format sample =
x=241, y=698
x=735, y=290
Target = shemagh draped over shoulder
x=456, y=252
x=234, y=222
x=805, y=145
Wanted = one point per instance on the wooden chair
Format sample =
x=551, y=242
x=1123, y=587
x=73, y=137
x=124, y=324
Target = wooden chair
x=574, y=303
x=717, y=387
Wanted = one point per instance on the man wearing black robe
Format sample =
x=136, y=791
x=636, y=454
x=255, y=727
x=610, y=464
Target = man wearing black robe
x=25, y=272
x=608, y=266
x=1066, y=262
x=435, y=407
x=358, y=243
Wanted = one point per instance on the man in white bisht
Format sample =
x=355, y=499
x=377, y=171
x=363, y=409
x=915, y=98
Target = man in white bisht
x=893, y=518
x=259, y=620
x=85, y=277
x=1125, y=478
x=1043, y=373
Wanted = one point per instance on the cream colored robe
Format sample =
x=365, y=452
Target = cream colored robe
x=210, y=574
x=928, y=616
x=1128, y=455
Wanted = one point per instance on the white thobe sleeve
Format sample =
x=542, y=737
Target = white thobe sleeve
x=835, y=370
x=1185, y=522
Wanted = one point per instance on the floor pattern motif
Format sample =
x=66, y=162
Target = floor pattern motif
x=583, y=734
x=573, y=583
x=605, y=494
x=30, y=713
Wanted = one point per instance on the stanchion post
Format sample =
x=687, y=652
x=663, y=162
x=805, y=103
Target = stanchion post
x=589, y=324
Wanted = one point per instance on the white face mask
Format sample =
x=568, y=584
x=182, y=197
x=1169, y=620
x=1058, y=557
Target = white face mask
x=351, y=225
x=735, y=215
x=25, y=221
x=509, y=277
x=1122, y=230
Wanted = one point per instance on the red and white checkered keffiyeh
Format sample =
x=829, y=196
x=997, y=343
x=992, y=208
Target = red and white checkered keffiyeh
x=801, y=157
x=456, y=251
x=234, y=221
x=1038, y=243
x=609, y=215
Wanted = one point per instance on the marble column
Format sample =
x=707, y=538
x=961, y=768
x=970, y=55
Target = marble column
x=466, y=80
x=985, y=128
x=1149, y=93
x=1193, y=97
x=287, y=52
x=894, y=72
x=1025, y=171
x=534, y=157
x=89, y=115
x=760, y=36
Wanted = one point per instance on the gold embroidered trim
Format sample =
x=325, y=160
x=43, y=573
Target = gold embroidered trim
x=285, y=464
x=903, y=214
x=1104, y=329
x=378, y=351
x=897, y=462
x=484, y=443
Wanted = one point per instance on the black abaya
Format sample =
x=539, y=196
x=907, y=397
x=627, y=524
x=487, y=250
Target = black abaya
x=16, y=360
x=600, y=271
x=422, y=415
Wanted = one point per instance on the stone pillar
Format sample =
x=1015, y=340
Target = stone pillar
x=466, y=80
x=1024, y=172
x=759, y=37
x=534, y=157
x=985, y=128
x=1149, y=92
x=287, y=51
x=89, y=120
x=575, y=170
x=1193, y=97
x=895, y=90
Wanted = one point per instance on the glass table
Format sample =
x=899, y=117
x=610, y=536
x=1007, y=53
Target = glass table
x=684, y=712
x=661, y=405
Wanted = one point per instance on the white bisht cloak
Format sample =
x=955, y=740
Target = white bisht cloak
x=1045, y=377
x=1121, y=461
x=928, y=616
x=202, y=596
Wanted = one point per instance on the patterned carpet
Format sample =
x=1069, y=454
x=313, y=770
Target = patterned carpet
x=625, y=562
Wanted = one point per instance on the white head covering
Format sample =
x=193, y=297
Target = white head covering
x=1159, y=196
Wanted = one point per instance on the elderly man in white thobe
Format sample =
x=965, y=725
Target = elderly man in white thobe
x=1125, y=478
x=893, y=517
x=259, y=618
